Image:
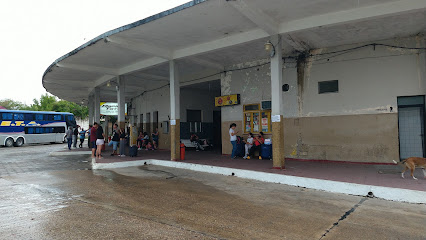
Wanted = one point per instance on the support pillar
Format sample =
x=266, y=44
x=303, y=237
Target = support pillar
x=174, y=111
x=91, y=109
x=97, y=105
x=276, y=97
x=121, y=100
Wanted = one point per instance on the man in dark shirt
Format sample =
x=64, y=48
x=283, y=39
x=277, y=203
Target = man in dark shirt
x=75, y=137
x=93, y=138
x=114, y=140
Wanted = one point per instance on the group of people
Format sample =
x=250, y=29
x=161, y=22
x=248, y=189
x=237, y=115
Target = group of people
x=199, y=144
x=96, y=138
x=73, y=134
x=143, y=140
x=252, y=144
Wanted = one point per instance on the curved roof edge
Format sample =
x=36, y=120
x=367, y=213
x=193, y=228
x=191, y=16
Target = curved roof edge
x=124, y=28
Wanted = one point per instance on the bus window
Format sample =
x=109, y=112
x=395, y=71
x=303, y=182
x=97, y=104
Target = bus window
x=7, y=116
x=39, y=117
x=59, y=130
x=29, y=130
x=18, y=116
x=39, y=130
x=48, y=117
x=57, y=117
x=29, y=117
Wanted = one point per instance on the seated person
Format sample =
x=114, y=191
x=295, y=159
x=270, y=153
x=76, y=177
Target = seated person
x=139, y=141
x=258, y=141
x=195, y=141
x=149, y=146
x=145, y=139
x=248, y=145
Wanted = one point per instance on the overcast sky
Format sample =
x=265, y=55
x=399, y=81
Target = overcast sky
x=34, y=33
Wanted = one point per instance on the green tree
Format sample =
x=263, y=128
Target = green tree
x=48, y=103
x=13, y=105
x=45, y=103
x=65, y=106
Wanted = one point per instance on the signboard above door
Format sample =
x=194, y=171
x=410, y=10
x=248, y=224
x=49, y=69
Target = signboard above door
x=228, y=100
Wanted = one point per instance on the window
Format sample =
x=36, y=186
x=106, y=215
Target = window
x=166, y=127
x=70, y=118
x=44, y=130
x=328, y=86
x=59, y=129
x=18, y=116
x=39, y=117
x=7, y=116
x=256, y=120
x=57, y=117
x=29, y=117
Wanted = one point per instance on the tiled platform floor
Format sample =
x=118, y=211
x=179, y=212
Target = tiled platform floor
x=378, y=175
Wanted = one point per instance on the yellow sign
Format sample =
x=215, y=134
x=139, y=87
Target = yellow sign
x=227, y=100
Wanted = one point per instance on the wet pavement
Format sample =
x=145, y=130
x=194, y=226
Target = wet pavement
x=45, y=197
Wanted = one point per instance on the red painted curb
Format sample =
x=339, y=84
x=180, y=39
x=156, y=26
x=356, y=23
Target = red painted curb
x=334, y=161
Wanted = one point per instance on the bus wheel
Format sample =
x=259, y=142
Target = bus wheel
x=19, y=142
x=9, y=142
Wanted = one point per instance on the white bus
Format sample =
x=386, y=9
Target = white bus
x=23, y=127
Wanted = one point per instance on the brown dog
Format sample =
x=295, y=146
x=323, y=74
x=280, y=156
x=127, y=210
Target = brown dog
x=411, y=163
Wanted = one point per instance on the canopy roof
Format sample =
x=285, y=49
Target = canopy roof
x=206, y=36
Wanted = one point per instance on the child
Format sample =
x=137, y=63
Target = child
x=249, y=144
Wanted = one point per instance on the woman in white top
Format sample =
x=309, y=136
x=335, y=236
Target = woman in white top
x=249, y=144
x=233, y=136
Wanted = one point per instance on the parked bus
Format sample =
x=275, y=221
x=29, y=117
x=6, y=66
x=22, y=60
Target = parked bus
x=19, y=127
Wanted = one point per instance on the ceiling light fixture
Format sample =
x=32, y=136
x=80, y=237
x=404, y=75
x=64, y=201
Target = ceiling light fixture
x=269, y=47
x=109, y=84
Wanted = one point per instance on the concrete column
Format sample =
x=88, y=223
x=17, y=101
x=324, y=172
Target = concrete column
x=174, y=111
x=97, y=105
x=276, y=98
x=121, y=100
x=91, y=109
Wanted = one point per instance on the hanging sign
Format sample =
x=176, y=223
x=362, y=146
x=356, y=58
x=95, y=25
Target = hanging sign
x=228, y=100
x=111, y=109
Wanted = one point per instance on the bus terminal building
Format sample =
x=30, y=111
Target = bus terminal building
x=325, y=80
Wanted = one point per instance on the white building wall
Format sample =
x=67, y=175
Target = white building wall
x=369, y=80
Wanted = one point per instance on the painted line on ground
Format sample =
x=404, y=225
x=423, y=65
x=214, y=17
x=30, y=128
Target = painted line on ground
x=387, y=193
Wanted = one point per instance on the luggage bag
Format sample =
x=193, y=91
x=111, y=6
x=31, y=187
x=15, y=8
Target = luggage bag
x=133, y=151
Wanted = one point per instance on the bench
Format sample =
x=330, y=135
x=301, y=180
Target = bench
x=189, y=144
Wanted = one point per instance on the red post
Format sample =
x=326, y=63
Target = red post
x=182, y=151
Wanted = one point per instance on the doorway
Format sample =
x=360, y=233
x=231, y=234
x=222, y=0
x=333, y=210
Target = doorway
x=154, y=120
x=411, y=119
x=148, y=123
x=217, y=130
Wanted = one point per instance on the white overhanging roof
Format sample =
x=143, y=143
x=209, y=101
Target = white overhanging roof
x=204, y=37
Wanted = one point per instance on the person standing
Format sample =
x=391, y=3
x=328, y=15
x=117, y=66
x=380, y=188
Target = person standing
x=100, y=141
x=82, y=136
x=233, y=138
x=93, y=138
x=69, y=137
x=75, y=136
x=114, y=140
x=122, y=142
x=155, y=138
